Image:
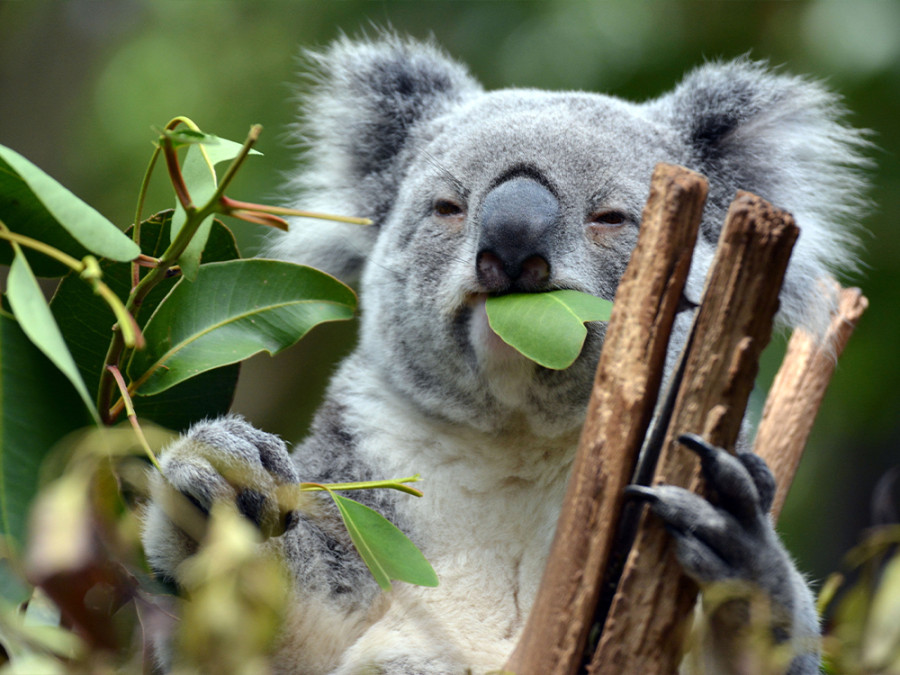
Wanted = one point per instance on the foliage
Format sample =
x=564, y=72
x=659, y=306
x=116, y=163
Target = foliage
x=548, y=328
x=387, y=552
x=152, y=322
x=862, y=608
x=139, y=326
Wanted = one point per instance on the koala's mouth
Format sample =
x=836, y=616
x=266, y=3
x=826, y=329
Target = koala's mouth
x=488, y=347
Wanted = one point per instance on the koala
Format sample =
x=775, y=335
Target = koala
x=473, y=194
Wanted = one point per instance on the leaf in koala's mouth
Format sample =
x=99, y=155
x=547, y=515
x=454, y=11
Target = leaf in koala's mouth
x=548, y=328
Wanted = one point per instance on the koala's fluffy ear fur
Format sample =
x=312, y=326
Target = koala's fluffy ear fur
x=781, y=137
x=367, y=98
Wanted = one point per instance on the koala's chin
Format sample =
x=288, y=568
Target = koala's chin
x=507, y=373
x=524, y=395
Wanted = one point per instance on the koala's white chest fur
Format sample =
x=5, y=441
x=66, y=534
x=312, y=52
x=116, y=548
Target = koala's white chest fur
x=485, y=523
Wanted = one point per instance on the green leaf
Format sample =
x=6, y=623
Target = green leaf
x=85, y=321
x=34, y=204
x=881, y=640
x=13, y=588
x=387, y=552
x=36, y=319
x=234, y=310
x=184, y=136
x=38, y=406
x=200, y=178
x=208, y=395
x=548, y=328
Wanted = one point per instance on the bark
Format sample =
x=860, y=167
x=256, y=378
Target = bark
x=644, y=632
x=625, y=390
x=797, y=391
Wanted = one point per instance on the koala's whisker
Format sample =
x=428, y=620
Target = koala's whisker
x=445, y=172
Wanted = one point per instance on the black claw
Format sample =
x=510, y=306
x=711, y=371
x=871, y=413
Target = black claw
x=290, y=520
x=251, y=503
x=204, y=509
x=694, y=442
x=641, y=493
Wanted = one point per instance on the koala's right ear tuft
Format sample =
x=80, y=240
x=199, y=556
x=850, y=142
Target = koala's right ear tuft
x=748, y=126
x=366, y=101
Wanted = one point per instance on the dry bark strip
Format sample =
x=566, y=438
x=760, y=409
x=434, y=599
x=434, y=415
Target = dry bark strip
x=646, y=625
x=624, y=392
x=797, y=391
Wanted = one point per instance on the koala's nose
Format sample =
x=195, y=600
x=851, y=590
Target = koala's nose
x=518, y=220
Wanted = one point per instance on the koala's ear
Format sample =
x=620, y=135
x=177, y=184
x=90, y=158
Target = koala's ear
x=358, y=127
x=782, y=137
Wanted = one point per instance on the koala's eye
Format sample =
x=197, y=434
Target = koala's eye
x=607, y=217
x=447, y=209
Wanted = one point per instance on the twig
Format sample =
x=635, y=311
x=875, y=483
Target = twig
x=797, y=391
x=132, y=416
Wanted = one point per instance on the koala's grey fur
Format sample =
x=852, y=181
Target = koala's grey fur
x=398, y=132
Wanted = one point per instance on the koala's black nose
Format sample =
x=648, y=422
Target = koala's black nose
x=518, y=220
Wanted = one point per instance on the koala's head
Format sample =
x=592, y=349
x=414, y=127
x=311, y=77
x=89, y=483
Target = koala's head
x=476, y=193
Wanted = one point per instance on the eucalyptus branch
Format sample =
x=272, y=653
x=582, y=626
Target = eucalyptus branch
x=175, y=176
x=89, y=270
x=160, y=269
x=132, y=416
x=145, y=186
x=242, y=210
x=136, y=229
x=395, y=484
x=194, y=217
x=236, y=163
x=39, y=246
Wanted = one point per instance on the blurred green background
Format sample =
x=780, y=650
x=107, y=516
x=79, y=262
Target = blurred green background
x=82, y=83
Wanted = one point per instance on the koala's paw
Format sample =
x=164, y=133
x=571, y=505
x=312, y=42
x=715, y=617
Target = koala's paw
x=222, y=459
x=728, y=537
x=729, y=542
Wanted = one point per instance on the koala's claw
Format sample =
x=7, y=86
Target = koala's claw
x=639, y=492
x=731, y=482
x=728, y=537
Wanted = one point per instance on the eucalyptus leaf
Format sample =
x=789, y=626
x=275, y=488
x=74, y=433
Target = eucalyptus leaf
x=548, y=328
x=198, y=171
x=184, y=136
x=36, y=319
x=85, y=321
x=38, y=406
x=233, y=310
x=34, y=204
x=387, y=552
x=13, y=589
x=881, y=642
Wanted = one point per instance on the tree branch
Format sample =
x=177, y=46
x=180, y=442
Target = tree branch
x=625, y=389
x=797, y=391
x=646, y=625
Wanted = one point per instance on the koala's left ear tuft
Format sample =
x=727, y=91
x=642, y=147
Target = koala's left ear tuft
x=748, y=127
x=359, y=121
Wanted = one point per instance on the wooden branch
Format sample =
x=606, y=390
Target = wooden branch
x=625, y=389
x=645, y=629
x=797, y=391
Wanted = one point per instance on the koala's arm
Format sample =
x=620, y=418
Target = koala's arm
x=755, y=601
x=228, y=459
